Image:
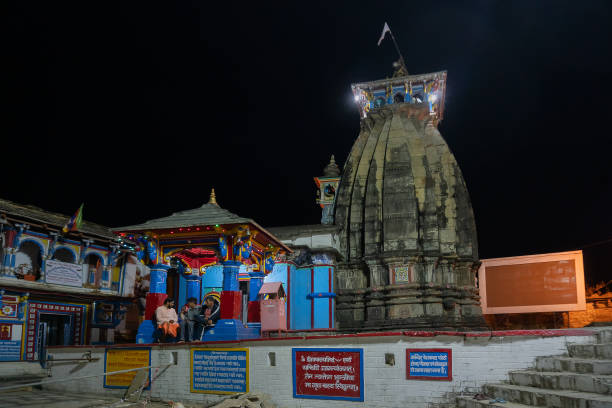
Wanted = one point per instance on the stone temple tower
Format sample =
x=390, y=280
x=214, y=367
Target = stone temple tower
x=406, y=228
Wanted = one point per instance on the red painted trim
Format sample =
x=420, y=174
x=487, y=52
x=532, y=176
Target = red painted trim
x=312, y=299
x=449, y=333
x=502, y=333
x=329, y=279
x=275, y=338
x=340, y=336
x=438, y=350
x=312, y=330
x=478, y=334
x=543, y=333
x=288, y=296
x=419, y=334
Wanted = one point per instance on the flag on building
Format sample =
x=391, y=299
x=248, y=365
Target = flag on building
x=74, y=223
x=386, y=30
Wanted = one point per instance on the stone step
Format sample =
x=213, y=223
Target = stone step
x=600, y=384
x=470, y=402
x=600, y=351
x=575, y=365
x=604, y=336
x=540, y=397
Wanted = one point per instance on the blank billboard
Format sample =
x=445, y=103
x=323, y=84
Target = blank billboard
x=533, y=283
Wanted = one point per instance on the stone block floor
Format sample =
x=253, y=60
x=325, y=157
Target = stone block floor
x=50, y=399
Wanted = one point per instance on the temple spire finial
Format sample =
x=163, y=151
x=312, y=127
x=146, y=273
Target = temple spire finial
x=331, y=170
x=213, y=198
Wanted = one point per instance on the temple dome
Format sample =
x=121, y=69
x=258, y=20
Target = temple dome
x=402, y=192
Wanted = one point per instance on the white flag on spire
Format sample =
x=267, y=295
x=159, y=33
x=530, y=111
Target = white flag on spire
x=386, y=29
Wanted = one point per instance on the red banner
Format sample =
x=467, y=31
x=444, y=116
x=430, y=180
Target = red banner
x=328, y=374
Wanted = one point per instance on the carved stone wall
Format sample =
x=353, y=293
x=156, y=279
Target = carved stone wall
x=406, y=228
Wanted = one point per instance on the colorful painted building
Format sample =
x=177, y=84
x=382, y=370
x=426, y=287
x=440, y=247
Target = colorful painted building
x=201, y=251
x=57, y=288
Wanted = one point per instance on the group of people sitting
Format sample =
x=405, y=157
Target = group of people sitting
x=194, y=320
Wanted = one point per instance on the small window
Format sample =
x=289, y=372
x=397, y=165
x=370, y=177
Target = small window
x=417, y=98
x=28, y=261
x=398, y=98
x=63, y=255
x=380, y=101
x=93, y=270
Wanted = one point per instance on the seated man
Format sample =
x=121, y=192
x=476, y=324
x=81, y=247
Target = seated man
x=166, y=318
x=212, y=311
x=192, y=321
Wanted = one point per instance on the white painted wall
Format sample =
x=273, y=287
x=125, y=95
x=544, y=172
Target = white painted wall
x=476, y=361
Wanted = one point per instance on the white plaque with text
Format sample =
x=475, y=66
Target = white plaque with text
x=64, y=273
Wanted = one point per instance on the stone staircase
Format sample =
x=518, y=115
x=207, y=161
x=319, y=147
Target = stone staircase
x=581, y=379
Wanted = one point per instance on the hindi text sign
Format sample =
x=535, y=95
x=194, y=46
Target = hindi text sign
x=220, y=371
x=332, y=373
x=10, y=350
x=429, y=364
x=118, y=359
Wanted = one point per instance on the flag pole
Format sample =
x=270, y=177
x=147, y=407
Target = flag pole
x=398, y=51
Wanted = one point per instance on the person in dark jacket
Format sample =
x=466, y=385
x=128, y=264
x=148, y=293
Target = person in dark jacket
x=212, y=311
x=192, y=321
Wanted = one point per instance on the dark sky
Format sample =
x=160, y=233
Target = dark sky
x=139, y=108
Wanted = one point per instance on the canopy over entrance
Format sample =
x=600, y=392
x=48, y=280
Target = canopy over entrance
x=203, y=236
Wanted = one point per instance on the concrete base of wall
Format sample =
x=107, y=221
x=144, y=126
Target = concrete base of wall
x=477, y=358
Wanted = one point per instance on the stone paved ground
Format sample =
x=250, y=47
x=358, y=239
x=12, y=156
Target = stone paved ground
x=50, y=399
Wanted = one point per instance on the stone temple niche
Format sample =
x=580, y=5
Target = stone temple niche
x=406, y=228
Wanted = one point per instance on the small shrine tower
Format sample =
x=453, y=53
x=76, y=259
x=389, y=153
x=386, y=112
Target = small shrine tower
x=327, y=184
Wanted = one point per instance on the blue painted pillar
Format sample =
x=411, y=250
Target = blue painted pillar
x=230, y=275
x=229, y=326
x=155, y=298
x=159, y=273
x=193, y=284
x=157, y=291
x=255, y=284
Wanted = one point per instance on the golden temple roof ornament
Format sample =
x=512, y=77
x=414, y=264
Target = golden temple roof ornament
x=213, y=198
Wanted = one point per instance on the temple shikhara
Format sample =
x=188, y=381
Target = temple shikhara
x=387, y=289
x=406, y=229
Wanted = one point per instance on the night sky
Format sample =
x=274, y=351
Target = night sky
x=139, y=108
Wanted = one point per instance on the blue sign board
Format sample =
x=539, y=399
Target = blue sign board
x=10, y=350
x=220, y=371
x=429, y=364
